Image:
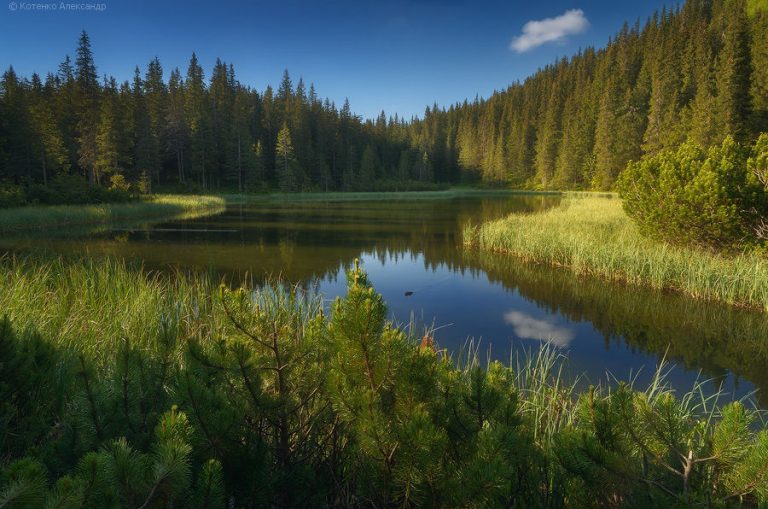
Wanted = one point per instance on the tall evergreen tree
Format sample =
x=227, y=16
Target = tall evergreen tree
x=287, y=173
x=87, y=107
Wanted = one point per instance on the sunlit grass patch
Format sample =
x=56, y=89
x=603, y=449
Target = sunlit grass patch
x=156, y=206
x=592, y=235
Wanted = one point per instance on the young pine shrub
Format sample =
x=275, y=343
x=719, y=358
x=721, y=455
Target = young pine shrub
x=117, y=475
x=381, y=386
x=491, y=452
x=714, y=199
x=654, y=449
x=35, y=384
x=266, y=372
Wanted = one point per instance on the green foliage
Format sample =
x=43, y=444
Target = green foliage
x=275, y=403
x=23, y=484
x=713, y=199
x=285, y=159
x=117, y=182
x=756, y=6
x=11, y=195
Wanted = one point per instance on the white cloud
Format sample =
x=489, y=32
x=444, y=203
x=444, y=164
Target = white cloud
x=536, y=33
x=528, y=327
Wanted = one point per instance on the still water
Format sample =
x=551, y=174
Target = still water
x=413, y=254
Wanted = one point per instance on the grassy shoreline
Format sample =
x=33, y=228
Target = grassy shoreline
x=157, y=206
x=591, y=235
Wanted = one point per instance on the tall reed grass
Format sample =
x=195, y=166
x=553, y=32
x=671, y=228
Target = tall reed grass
x=94, y=305
x=156, y=206
x=592, y=235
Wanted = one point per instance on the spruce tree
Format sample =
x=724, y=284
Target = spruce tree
x=285, y=159
x=87, y=107
x=734, y=69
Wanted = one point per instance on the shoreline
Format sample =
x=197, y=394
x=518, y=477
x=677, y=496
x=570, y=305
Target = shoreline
x=157, y=206
x=591, y=235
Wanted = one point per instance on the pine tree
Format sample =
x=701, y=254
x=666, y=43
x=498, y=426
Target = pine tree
x=87, y=107
x=106, y=158
x=144, y=147
x=286, y=170
x=176, y=123
x=733, y=72
x=759, y=79
x=198, y=123
x=368, y=169
x=156, y=104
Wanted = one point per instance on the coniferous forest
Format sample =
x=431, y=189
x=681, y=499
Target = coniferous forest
x=696, y=73
x=150, y=358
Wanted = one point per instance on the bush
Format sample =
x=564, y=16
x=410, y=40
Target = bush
x=715, y=199
x=279, y=400
x=67, y=189
x=11, y=196
x=117, y=182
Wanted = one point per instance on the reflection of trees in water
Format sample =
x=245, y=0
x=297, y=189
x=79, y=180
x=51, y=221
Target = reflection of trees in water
x=304, y=242
x=712, y=337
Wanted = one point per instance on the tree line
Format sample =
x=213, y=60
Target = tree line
x=696, y=73
x=194, y=132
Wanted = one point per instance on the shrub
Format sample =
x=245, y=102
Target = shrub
x=11, y=196
x=715, y=199
x=68, y=189
x=275, y=402
x=117, y=182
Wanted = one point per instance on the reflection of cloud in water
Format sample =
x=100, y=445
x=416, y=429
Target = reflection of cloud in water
x=528, y=327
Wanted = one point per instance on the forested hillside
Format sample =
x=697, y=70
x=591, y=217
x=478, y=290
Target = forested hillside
x=699, y=72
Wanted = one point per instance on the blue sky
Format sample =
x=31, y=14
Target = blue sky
x=394, y=55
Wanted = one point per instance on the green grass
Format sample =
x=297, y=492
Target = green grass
x=592, y=235
x=128, y=344
x=92, y=305
x=157, y=206
x=755, y=6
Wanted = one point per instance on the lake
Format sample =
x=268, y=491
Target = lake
x=414, y=256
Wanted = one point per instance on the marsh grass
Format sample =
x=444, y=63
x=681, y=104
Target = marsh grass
x=592, y=235
x=92, y=306
x=152, y=207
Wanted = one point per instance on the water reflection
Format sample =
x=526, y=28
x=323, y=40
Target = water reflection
x=528, y=327
x=412, y=251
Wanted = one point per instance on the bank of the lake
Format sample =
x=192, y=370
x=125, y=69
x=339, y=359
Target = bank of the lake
x=591, y=235
x=150, y=207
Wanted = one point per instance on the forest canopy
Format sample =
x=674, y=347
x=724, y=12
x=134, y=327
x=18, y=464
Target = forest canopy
x=695, y=73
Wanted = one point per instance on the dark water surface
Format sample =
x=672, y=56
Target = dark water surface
x=415, y=246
